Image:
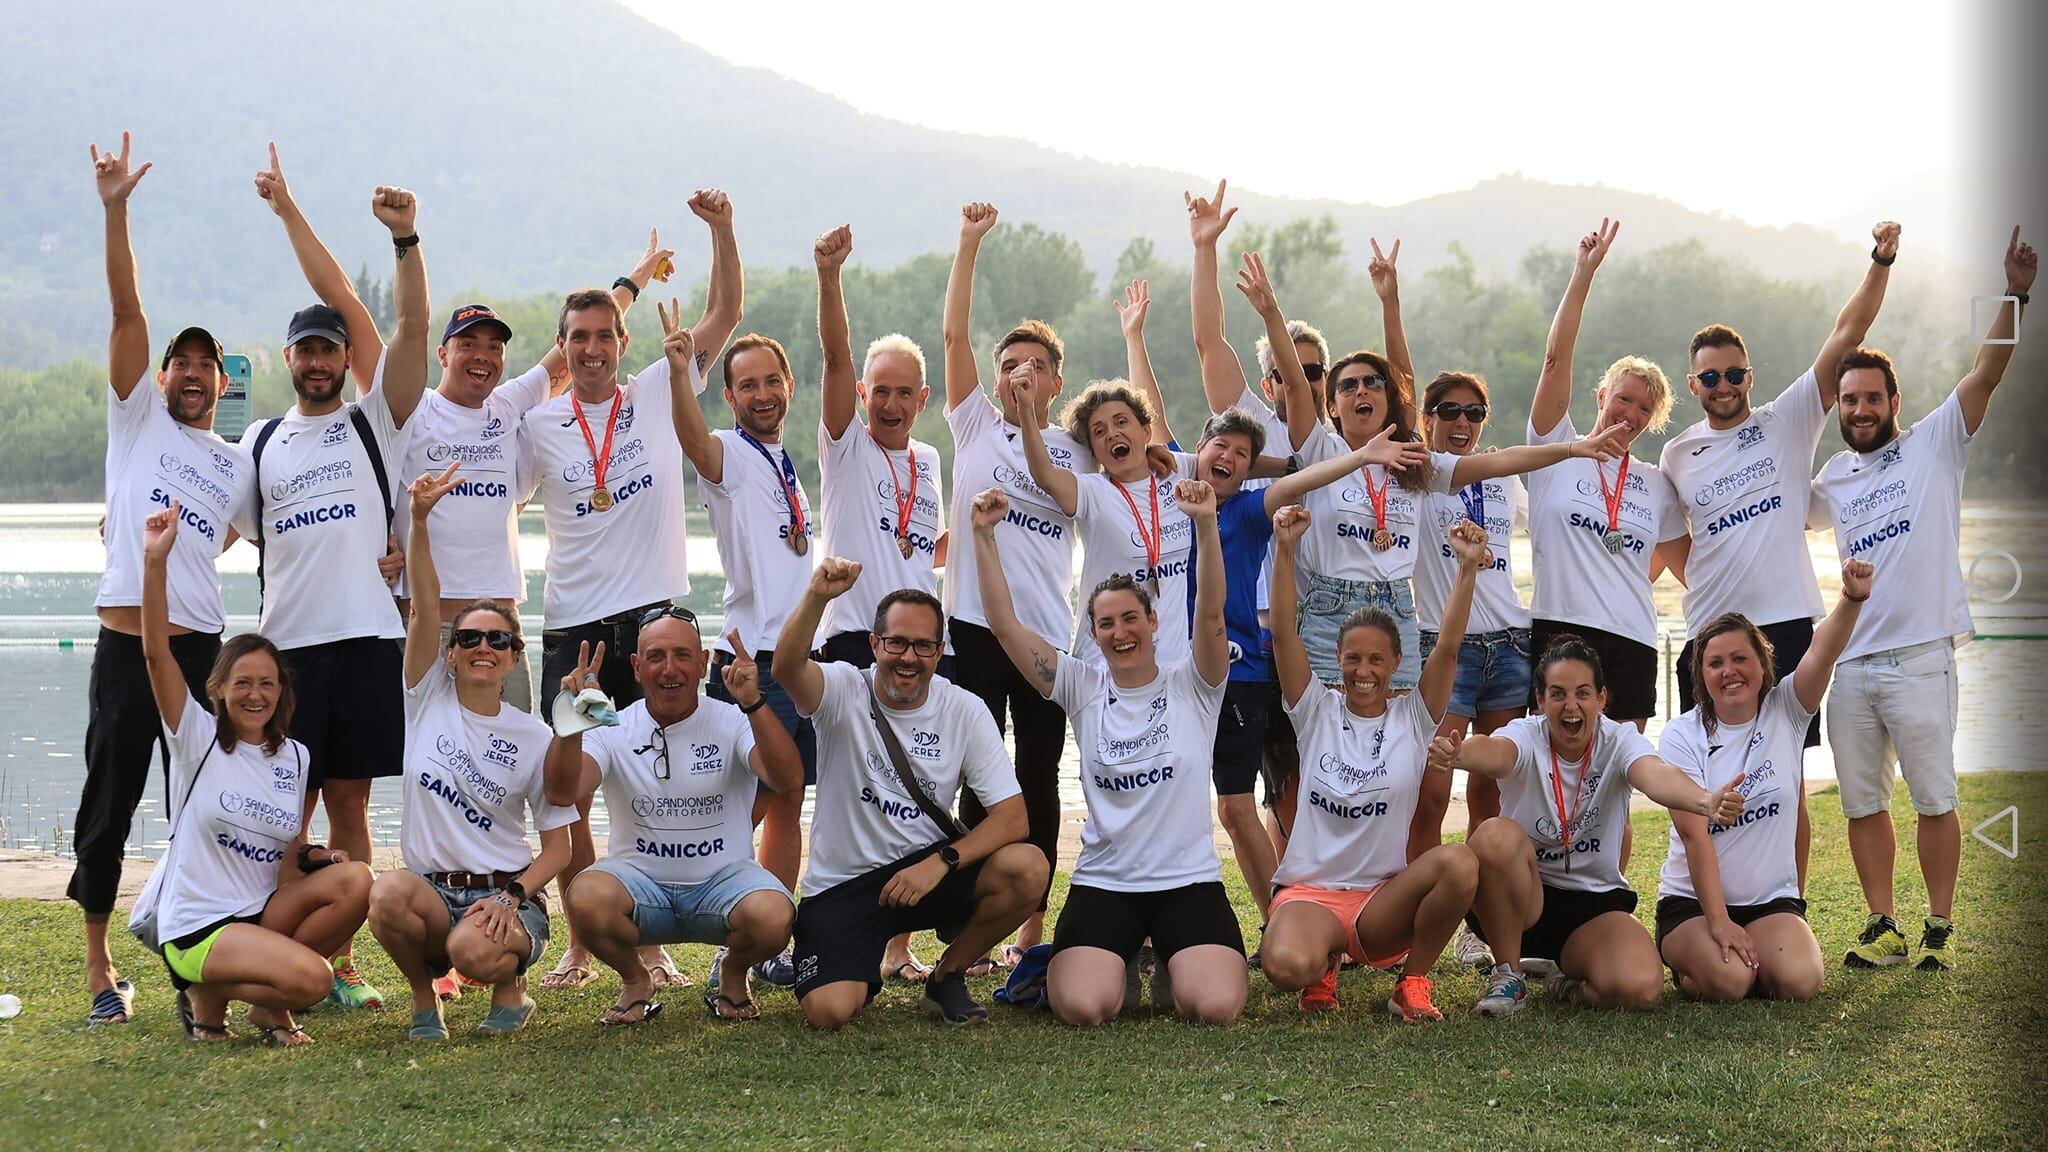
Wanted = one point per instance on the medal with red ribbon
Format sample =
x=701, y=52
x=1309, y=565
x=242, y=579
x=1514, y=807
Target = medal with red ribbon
x=1152, y=540
x=906, y=497
x=1613, y=498
x=1565, y=820
x=600, y=461
x=1382, y=539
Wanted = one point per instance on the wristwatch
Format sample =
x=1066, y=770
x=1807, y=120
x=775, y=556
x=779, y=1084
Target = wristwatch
x=627, y=283
x=516, y=891
x=950, y=856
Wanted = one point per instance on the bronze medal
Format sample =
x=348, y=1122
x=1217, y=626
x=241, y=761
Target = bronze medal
x=1382, y=540
x=800, y=542
x=600, y=499
x=903, y=546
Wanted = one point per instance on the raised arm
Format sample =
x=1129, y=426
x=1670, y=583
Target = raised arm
x=1817, y=666
x=839, y=399
x=1853, y=322
x=1387, y=286
x=1211, y=639
x=1519, y=458
x=1440, y=671
x=957, y=329
x=1130, y=313
x=423, y=632
x=725, y=297
x=1063, y=486
x=1035, y=659
x=1974, y=391
x=706, y=452
x=1382, y=449
x=1302, y=408
x=1222, y=373
x=128, y=340
x=166, y=681
x=1670, y=786
x=657, y=263
x=793, y=667
x=405, y=377
x=774, y=760
x=1554, y=387
x=324, y=275
x=1290, y=657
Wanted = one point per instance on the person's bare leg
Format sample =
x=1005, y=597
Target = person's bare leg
x=601, y=915
x=410, y=923
x=1613, y=956
x=1940, y=843
x=1874, y=847
x=1005, y=892
x=1802, y=841
x=582, y=854
x=782, y=836
x=1420, y=907
x=1085, y=986
x=1509, y=897
x=1210, y=983
x=1302, y=940
x=758, y=928
x=1239, y=815
x=1700, y=969
x=347, y=803
x=100, y=973
x=1789, y=961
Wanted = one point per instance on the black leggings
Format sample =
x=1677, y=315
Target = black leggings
x=122, y=732
x=1041, y=730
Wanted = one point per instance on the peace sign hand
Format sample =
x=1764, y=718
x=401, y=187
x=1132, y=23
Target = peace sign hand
x=1207, y=218
x=1384, y=280
x=428, y=490
x=111, y=175
x=742, y=675
x=1593, y=245
x=677, y=342
x=588, y=664
x=1252, y=281
x=1130, y=311
x=271, y=186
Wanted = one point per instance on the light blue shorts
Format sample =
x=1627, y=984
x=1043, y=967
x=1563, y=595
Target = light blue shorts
x=1329, y=600
x=698, y=913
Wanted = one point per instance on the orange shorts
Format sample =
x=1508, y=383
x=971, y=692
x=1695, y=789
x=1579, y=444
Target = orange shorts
x=1344, y=903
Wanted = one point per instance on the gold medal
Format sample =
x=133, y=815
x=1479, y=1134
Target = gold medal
x=1382, y=540
x=903, y=546
x=799, y=542
x=600, y=499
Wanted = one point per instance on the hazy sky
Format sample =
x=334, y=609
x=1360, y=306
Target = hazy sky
x=1757, y=110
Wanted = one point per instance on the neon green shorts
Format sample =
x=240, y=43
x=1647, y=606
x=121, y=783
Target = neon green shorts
x=186, y=956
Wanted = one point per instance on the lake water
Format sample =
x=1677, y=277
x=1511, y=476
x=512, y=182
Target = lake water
x=50, y=559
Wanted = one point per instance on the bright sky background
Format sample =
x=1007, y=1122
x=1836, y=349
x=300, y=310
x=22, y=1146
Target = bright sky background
x=1758, y=110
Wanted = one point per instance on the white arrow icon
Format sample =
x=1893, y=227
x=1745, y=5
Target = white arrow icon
x=2012, y=816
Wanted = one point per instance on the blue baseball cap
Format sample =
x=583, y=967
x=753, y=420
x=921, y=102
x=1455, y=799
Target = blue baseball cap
x=469, y=316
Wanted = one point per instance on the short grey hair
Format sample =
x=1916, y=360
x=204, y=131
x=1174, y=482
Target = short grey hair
x=1298, y=330
x=894, y=342
x=1239, y=421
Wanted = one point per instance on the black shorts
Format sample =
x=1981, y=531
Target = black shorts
x=1629, y=668
x=1241, y=736
x=350, y=710
x=1789, y=641
x=842, y=932
x=1176, y=918
x=1675, y=910
x=1565, y=911
x=620, y=635
x=1280, y=755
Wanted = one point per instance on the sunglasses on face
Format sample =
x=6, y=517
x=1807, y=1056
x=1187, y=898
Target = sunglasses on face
x=1711, y=378
x=898, y=645
x=1375, y=383
x=1449, y=410
x=498, y=638
x=1314, y=373
x=670, y=611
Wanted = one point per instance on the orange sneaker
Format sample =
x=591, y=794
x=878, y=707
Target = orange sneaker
x=448, y=987
x=1412, y=999
x=1321, y=996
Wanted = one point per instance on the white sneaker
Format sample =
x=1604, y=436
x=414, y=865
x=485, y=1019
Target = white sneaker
x=1471, y=951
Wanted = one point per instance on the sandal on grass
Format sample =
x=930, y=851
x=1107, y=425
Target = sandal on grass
x=1011, y=956
x=739, y=1010
x=618, y=1014
x=665, y=974
x=282, y=1036
x=911, y=971
x=980, y=966
x=568, y=976
x=194, y=1030
x=114, y=1005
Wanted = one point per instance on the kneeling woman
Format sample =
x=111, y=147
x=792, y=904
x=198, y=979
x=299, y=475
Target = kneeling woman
x=470, y=896
x=245, y=908
x=1148, y=865
x=1346, y=885
x=1550, y=882
x=1730, y=921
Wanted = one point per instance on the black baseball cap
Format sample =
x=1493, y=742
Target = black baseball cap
x=317, y=320
x=193, y=335
x=469, y=316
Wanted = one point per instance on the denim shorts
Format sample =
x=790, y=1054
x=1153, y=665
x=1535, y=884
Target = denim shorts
x=1493, y=672
x=1329, y=600
x=699, y=913
x=533, y=917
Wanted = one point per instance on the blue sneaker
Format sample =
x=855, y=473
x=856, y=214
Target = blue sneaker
x=717, y=966
x=779, y=970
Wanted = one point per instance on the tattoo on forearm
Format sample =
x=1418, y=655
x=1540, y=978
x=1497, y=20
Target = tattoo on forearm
x=1043, y=666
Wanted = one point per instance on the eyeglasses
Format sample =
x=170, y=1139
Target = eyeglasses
x=1374, y=382
x=672, y=612
x=1314, y=372
x=898, y=645
x=1448, y=410
x=658, y=744
x=499, y=639
x=1711, y=378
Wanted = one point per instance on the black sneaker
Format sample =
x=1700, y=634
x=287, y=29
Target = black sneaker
x=946, y=997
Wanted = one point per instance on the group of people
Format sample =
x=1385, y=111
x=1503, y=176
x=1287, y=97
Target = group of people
x=1320, y=595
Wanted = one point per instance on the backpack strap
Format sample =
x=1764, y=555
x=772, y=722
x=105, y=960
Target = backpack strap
x=256, y=477
x=362, y=423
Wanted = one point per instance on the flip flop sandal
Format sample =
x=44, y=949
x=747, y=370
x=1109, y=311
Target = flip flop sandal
x=274, y=1036
x=667, y=975
x=573, y=976
x=428, y=1025
x=195, y=1031
x=918, y=972
x=114, y=1005
x=742, y=1010
x=979, y=967
x=614, y=1017
x=503, y=1019
x=1010, y=956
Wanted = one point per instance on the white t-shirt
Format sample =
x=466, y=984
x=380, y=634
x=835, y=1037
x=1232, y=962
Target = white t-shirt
x=475, y=527
x=1338, y=543
x=1596, y=806
x=681, y=803
x=1758, y=853
x=603, y=563
x=1112, y=543
x=152, y=460
x=1744, y=492
x=324, y=525
x=749, y=509
x=1359, y=782
x=1146, y=764
x=1036, y=538
x=471, y=783
x=1504, y=505
x=857, y=480
x=232, y=833
x=1578, y=581
x=863, y=818
x=1901, y=509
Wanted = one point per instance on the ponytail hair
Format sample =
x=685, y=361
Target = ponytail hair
x=1568, y=646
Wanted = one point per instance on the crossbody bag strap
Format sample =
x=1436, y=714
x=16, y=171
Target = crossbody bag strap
x=256, y=478
x=904, y=776
x=362, y=423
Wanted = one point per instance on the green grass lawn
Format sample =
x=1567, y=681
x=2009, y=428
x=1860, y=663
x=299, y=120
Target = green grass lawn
x=1898, y=1059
